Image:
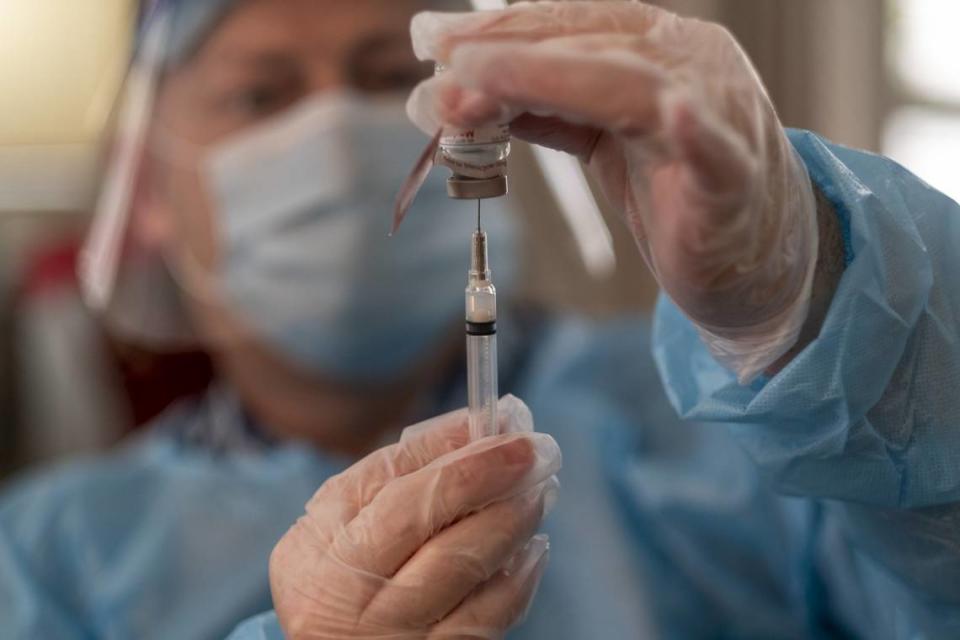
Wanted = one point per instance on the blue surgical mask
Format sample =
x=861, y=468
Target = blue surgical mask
x=305, y=205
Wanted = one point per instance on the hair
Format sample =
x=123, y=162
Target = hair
x=191, y=21
x=447, y=5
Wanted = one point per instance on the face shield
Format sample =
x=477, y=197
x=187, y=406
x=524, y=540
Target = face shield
x=248, y=196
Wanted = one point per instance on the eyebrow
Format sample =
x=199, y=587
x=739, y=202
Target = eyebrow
x=266, y=59
x=382, y=39
x=271, y=59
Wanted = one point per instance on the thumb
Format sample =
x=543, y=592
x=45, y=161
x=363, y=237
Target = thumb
x=719, y=167
x=556, y=133
x=439, y=101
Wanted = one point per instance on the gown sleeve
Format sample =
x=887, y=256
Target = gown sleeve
x=867, y=417
x=262, y=627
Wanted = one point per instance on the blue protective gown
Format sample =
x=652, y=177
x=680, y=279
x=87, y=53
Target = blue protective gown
x=866, y=421
x=820, y=505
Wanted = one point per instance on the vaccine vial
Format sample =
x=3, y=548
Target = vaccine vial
x=477, y=157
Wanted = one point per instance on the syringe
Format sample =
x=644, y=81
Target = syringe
x=478, y=159
x=481, y=298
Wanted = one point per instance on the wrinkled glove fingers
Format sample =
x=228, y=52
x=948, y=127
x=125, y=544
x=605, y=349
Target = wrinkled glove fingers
x=441, y=100
x=512, y=414
x=719, y=164
x=546, y=80
x=502, y=601
x=342, y=497
x=412, y=509
x=451, y=565
x=436, y=34
x=703, y=217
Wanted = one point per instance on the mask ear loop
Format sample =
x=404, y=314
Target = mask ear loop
x=199, y=282
x=194, y=279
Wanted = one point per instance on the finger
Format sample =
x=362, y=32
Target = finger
x=555, y=133
x=436, y=34
x=513, y=416
x=697, y=222
x=439, y=101
x=718, y=162
x=340, y=498
x=451, y=565
x=500, y=603
x=412, y=509
x=423, y=105
x=618, y=91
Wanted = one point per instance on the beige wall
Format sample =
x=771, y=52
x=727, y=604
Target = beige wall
x=822, y=60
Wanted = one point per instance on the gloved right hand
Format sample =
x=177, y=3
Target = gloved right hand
x=432, y=537
x=673, y=122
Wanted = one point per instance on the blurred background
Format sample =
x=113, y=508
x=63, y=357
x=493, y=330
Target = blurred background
x=882, y=75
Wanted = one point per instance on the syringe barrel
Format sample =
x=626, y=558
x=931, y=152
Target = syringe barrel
x=482, y=387
x=481, y=303
x=481, y=315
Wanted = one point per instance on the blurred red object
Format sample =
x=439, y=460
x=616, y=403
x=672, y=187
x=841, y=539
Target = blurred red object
x=48, y=299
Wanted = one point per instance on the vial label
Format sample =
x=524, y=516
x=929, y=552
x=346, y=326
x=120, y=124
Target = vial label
x=493, y=134
x=471, y=168
x=475, y=153
x=480, y=152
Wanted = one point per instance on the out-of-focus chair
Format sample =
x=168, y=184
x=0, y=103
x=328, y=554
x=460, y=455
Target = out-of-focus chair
x=77, y=389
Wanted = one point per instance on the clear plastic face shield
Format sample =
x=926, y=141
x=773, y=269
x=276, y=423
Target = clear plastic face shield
x=259, y=146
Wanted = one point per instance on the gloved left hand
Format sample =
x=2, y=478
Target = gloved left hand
x=428, y=538
x=673, y=123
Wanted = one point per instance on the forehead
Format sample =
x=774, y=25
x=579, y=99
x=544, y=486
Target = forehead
x=318, y=26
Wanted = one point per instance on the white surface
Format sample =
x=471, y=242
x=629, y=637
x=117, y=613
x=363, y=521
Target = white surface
x=69, y=397
x=489, y=5
x=47, y=178
x=61, y=65
x=573, y=196
x=928, y=143
x=926, y=50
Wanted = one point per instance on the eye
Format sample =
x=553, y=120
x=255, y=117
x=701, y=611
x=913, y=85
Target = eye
x=385, y=63
x=388, y=78
x=259, y=100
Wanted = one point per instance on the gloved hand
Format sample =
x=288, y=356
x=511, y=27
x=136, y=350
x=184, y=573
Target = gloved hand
x=429, y=538
x=674, y=124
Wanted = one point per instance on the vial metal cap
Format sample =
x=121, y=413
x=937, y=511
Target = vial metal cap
x=463, y=188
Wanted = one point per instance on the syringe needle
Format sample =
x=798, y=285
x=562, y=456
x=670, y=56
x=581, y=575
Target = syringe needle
x=478, y=215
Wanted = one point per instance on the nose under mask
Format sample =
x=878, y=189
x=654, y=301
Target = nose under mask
x=304, y=207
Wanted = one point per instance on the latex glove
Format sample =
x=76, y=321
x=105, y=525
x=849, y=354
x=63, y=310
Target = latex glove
x=428, y=538
x=674, y=124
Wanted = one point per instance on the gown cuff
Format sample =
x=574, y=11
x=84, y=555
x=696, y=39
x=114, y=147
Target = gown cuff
x=808, y=406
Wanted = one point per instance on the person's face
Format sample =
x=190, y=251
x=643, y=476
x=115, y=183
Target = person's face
x=264, y=57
